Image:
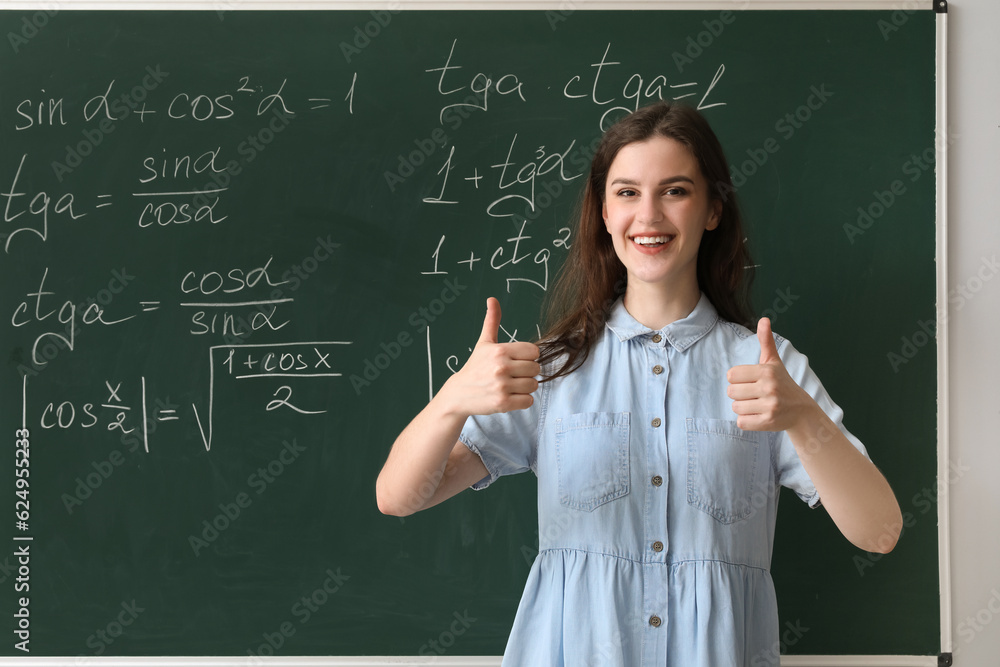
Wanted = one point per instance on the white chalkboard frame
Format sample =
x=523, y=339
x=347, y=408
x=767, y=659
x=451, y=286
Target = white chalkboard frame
x=942, y=291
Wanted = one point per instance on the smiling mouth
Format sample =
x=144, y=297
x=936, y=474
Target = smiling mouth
x=652, y=241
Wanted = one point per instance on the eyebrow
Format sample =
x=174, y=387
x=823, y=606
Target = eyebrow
x=672, y=179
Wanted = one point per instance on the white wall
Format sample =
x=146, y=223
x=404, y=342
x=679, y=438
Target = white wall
x=974, y=210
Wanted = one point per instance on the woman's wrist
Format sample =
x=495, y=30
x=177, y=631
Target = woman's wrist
x=812, y=429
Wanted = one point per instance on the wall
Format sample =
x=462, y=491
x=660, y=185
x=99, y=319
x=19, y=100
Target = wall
x=974, y=238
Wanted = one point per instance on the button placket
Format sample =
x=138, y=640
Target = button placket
x=660, y=536
x=655, y=593
x=656, y=422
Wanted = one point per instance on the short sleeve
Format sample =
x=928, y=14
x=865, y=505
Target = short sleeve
x=790, y=471
x=506, y=442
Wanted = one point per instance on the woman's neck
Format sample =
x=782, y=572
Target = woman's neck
x=656, y=305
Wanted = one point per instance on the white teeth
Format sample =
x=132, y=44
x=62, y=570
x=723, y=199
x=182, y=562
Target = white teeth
x=651, y=240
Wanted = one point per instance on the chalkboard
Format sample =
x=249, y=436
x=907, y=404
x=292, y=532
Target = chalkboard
x=242, y=249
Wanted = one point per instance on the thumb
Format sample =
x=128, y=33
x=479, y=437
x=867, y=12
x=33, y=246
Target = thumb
x=491, y=325
x=768, y=350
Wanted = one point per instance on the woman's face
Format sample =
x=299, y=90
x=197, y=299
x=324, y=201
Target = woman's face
x=656, y=207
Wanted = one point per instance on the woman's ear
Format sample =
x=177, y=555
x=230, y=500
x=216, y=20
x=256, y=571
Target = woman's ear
x=604, y=213
x=715, y=215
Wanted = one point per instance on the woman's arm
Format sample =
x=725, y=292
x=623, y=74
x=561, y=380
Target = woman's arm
x=427, y=463
x=854, y=492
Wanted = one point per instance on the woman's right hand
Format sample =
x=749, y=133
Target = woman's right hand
x=498, y=377
x=428, y=463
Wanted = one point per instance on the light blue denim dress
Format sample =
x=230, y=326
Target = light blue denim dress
x=656, y=513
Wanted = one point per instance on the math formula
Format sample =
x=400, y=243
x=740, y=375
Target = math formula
x=236, y=210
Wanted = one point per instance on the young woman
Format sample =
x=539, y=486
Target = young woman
x=660, y=433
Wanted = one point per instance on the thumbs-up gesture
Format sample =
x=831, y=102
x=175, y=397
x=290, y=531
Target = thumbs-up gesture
x=498, y=377
x=765, y=397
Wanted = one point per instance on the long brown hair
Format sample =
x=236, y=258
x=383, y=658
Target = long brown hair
x=593, y=277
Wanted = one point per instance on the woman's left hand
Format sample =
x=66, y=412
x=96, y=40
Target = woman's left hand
x=765, y=397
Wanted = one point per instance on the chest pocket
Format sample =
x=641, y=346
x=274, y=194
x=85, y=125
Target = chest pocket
x=723, y=466
x=592, y=450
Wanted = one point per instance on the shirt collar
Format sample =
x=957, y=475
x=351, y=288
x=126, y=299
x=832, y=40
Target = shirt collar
x=682, y=334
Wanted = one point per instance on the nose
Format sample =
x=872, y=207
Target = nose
x=649, y=211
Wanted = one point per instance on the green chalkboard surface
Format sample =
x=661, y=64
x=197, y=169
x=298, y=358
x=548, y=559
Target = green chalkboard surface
x=242, y=249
